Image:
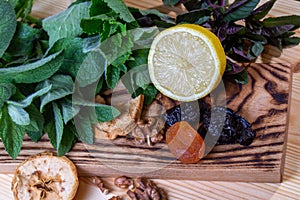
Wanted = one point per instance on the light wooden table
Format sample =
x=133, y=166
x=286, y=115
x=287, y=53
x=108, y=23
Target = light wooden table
x=196, y=190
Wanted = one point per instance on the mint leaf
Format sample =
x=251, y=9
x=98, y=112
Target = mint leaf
x=150, y=93
x=91, y=68
x=91, y=43
x=69, y=111
x=6, y=91
x=50, y=129
x=8, y=24
x=68, y=140
x=35, y=129
x=112, y=76
x=28, y=100
x=66, y=23
x=62, y=85
x=73, y=55
x=116, y=46
x=33, y=72
x=143, y=37
x=11, y=134
x=18, y=115
x=99, y=7
x=83, y=124
x=59, y=124
x=22, y=43
x=240, y=9
x=119, y=7
x=22, y=7
x=106, y=113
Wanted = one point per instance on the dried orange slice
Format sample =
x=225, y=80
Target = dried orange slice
x=45, y=176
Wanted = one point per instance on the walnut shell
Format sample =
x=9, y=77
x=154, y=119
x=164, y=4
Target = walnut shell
x=45, y=176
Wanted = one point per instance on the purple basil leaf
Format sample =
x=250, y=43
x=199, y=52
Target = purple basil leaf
x=277, y=42
x=241, y=54
x=240, y=9
x=195, y=5
x=233, y=68
x=222, y=32
x=262, y=11
x=277, y=30
x=233, y=29
x=194, y=17
x=282, y=21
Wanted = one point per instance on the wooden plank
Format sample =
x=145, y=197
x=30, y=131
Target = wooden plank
x=262, y=161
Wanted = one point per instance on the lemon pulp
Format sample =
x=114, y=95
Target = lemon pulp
x=186, y=62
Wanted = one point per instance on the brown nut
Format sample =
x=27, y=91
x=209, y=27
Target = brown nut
x=99, y=183
x=123, y=182
x=115, y=198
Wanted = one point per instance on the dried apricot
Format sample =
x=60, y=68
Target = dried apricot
x=185, y=143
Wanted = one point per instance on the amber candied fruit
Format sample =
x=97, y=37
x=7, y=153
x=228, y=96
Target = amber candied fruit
x=185, y=143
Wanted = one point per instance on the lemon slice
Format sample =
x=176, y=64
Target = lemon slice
x=186, y=62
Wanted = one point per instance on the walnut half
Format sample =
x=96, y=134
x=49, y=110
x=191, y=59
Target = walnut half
x=149, y=130
x=147, y=190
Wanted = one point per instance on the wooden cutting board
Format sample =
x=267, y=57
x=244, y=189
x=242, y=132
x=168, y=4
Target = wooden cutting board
x=264, y=102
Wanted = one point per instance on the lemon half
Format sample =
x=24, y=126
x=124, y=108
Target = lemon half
x=186, y=62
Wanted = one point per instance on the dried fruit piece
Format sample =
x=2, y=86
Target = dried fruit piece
x=123, y=124
x=185, y=143
x=226, y=127
x=45, y=176
x=190, y=112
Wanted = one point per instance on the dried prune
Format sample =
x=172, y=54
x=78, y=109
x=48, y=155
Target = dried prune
x=244, y=130
x=190, y=112
x=224, y=126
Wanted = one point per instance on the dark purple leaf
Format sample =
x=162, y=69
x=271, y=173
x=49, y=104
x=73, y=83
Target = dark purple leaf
x=233, y=29
x=222, y=32
x=194, y=5
x=212, y=5
x=194, y=17
x=241, y=54
x=262, y=11
x=234, y=67
x=277, y=30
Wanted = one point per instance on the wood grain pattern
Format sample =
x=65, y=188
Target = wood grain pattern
x=262, y=161
x=272, y=83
